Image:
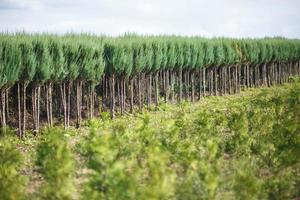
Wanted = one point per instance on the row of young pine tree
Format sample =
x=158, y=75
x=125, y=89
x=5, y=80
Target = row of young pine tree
x=51, y=79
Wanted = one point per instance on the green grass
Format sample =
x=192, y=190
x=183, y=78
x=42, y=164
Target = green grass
x=244, y=146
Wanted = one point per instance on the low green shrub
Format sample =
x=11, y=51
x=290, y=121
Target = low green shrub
x=56, y=164
x=12, y=183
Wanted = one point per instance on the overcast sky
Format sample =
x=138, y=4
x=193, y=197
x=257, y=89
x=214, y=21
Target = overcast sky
x=231, y=18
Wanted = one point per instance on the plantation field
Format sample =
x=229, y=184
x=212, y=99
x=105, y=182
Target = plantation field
x=241, y=146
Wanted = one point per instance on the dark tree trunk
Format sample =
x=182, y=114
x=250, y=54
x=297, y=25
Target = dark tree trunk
x=225, y=74
x=139, y=93
x=79, y=102
x=19, y=111
x=193, y=86
x=239, y=78
x=112, y=96
x=131, y=94
x=229, y=80
x=172, y=86
x=149, y=90
x=50, y=105
x=215, y=81
x=64, y=102
x=236, y=79
x=47, y=103
x=38, y=107
x=204, y=82
x=34, y=108
x=200, y=84
x=156, y=88
x=24, y=108
x=167, y=87
x=180, y=85
x=124, y=93
x=3, y=102
x=68, y=103
x=187, y=85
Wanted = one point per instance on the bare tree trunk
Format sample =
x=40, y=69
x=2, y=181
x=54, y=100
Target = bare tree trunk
x=225, y=79
x=200, y=84
x=139, y=93
x=104, y=93
x=187, y=85
x=121, y=94
x=19, y=111
x=236, y=79
x=50, y=105
x=193, y=87
x=131, y=95
x=215, y=81
x=156, y=88
x=64, y=102
x=172, y=86
x=47, y=104
x=3, y=109
x=79, y=102
x=38, y=107
x=229, y=77
x=180, y=85
x=204, y=83
x=68, y=103
x=167, y=88
x=112, y=96
x=7, y=104
x=124, y=93
x=24, y=108
x=149, y=90
x=33, y=97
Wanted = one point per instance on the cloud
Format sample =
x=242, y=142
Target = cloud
x=19, y=4
x=231, y=18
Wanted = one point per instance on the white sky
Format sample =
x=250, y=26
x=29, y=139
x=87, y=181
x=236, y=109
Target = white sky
x=231, y=18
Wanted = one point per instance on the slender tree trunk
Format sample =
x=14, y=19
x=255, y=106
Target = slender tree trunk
x=167, y=88
x=139, y=93
x=64, y=102
x=156, y=88
x=19, y=111
x=236, y=79
x=215, y=81
x=79, y=102
x=200, y=84
x=172, y=86
x=50, y=105
x=225, y=79
x=68, y=103
x=3, y=101
x=24, y=108
x=149, y=90
x=131, y=94
x=187, y=85
x=47, y=103
x=7, y=104
x=204, y=82
x=264, y=74
x=193, y=87
x=124, y=93
x=180, y=85
x=229, y=80
x=38, y=107
x=33, y=97
x=112, y=96
x=104, y=95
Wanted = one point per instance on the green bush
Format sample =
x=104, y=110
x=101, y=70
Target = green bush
x=12, y=183
x=237, y=147
x=56, y=164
